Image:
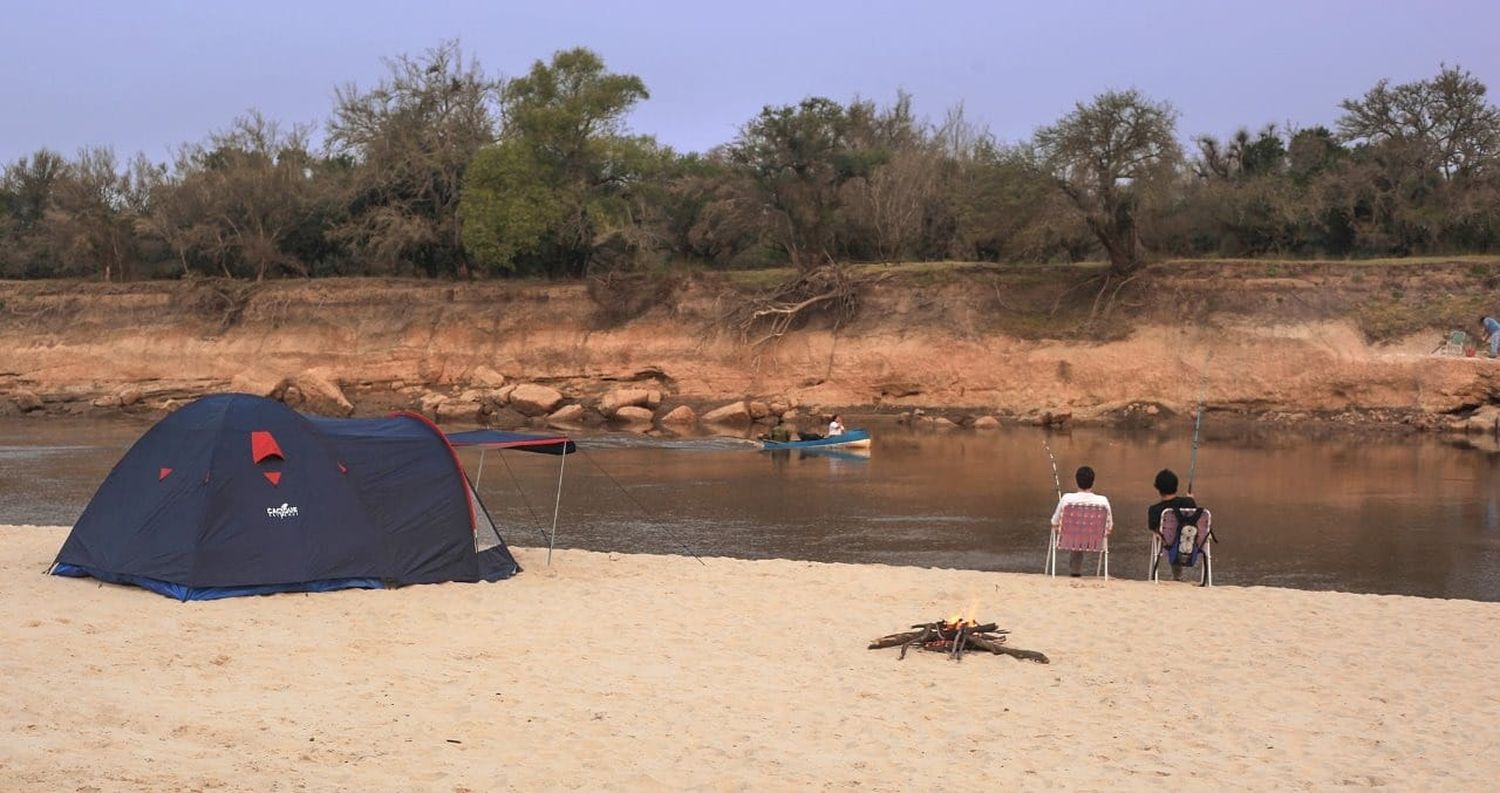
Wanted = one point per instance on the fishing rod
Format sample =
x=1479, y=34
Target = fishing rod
x=1198, y=421
x=1056, y=482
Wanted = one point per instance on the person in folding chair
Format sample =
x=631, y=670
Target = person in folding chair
x=1081, y=524
x=1180, y=549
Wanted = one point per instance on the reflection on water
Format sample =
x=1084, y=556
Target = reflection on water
x=1406, y=515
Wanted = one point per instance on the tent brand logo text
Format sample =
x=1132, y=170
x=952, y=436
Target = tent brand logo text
x=283, y=511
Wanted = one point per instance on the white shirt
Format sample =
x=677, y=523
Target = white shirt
x=835, y=428
x=1082, y=497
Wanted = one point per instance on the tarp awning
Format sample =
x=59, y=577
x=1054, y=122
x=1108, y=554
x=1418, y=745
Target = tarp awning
x=495, y=439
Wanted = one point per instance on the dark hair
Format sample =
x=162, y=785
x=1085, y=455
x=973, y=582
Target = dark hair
x=1166, y=482
x=1084, y=478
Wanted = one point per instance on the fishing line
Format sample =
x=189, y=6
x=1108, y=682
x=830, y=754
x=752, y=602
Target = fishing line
x=1198, y=422
x=642, y=507
x=524, y=500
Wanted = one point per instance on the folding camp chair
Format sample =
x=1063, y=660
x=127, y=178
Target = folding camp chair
x=1454, y=343
x=1160, y=542
x=1083, y=527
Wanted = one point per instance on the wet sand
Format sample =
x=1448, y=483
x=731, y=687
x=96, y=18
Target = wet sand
x=656, y=672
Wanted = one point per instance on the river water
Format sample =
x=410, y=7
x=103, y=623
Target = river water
x=1408, y=515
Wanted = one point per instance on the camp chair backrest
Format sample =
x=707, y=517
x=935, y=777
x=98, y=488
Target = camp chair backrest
x=1169, y=527
x=1082, y=528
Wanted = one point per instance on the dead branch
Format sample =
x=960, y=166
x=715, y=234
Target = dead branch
x=832, y=290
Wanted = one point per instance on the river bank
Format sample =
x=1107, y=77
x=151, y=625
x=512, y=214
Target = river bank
x=1348, y=344
x=655, y=671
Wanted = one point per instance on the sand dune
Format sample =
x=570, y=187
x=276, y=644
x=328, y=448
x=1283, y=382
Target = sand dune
x=650, y=672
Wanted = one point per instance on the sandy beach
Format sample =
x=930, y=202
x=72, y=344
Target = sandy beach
x=609, y=671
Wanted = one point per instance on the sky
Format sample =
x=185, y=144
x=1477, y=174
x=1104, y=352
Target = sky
x=148, y=75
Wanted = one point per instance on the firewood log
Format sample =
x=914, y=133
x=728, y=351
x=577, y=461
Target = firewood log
x=1000, y=649
x=895, y=639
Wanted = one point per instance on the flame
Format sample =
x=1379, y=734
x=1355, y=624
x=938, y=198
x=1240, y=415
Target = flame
x=969, y=615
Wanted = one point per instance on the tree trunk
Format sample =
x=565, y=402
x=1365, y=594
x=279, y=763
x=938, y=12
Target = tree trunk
x=1120, y=241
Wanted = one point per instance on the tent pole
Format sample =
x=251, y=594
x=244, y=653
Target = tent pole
x=480, y=475
x=556, y=505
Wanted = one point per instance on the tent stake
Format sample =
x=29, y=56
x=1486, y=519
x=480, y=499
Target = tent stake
x=556, y=506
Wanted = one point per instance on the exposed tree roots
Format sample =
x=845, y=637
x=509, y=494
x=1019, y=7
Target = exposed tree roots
x=831, y=290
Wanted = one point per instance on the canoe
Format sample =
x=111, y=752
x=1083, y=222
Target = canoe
x=851, y=439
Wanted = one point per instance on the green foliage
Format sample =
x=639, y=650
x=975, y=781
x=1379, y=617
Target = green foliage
x=441, y=169
x=570, y=103
x=509, y=206
x=561, y=180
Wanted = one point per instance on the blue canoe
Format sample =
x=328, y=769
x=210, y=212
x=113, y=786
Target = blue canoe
x=851, y=439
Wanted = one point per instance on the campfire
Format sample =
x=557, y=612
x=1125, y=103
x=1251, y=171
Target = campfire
x=955, y=636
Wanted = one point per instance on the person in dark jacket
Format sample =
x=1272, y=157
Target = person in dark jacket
x=1166, y=488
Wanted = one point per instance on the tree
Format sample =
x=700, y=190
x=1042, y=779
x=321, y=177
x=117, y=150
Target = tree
x=560, y=180
x=237, y=199
x=1241, y=156
x=1444, y=124
x=242, y=201
x=1312, y=151
x=92, y=216
x=717, y=213
x=1100, y=156
x=412, y=137
x=27, y=190
x=1008, y=210
x=888, y=206
x=179, y=213
x=797, y=158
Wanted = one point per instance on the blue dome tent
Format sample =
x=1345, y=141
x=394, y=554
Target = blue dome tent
x=238, y=495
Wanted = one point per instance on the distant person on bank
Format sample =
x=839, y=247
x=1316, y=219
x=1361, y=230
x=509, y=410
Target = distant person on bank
x=1491, y=328
x=1166, y=489
x=1084, y=495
